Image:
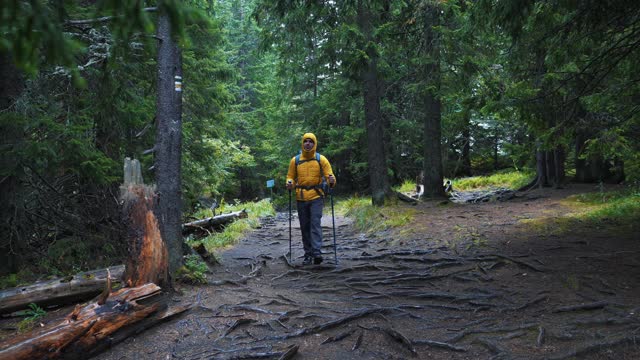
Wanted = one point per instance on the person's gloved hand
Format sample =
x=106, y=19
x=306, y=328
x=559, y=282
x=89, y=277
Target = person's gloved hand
x=332, y=180
x=289, y=185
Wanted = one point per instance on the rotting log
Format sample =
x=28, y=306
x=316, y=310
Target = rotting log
x=76, y=288
x=213, y=222
x=90, y=328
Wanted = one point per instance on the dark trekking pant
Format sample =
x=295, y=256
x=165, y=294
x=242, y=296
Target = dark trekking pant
x=310, y=216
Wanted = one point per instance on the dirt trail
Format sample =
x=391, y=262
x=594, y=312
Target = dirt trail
x=465, y=282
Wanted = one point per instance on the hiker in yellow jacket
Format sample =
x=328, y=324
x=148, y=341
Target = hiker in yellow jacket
x=311, y=175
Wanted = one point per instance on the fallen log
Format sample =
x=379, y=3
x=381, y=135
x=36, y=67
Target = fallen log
x=76, y=288
x=90, y=329
x=213, y=222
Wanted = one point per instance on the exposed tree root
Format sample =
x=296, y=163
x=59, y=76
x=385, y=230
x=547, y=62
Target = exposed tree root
x=519, y=262
x=439, y=344
x=529, y=303
x=468, y=332
x=338, y=337
x=358, y=341
x=596, y=346
x=235, y=324
x=581, y=307
x=333, y=323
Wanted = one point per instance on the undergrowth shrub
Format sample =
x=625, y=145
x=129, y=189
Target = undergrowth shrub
x=193, y=271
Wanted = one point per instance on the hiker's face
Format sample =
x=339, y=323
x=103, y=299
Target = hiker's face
x=307, y=144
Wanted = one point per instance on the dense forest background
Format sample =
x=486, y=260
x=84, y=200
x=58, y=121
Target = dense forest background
x=392, y=89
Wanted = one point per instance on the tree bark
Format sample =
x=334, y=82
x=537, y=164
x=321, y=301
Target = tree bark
x=59, y=291
x=466, y=146
x=541, y=169
x=433, y=172
x=148, y=258
x=169, y=142
x=378, y=178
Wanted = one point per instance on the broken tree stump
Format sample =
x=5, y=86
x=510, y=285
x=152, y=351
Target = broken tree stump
x=111, y=317
x=148, y=260
x=73, y=289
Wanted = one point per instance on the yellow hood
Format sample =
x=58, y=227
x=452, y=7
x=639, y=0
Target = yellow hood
x=312, y=153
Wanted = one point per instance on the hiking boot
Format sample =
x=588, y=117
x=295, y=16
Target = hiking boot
x=307, y=260
x=317, y=260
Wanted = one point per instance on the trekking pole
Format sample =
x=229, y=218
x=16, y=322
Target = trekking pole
x=333, y=219
x=290, y=254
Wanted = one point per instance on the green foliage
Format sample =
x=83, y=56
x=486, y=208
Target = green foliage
x=33, y=314
x=407, y=186
x=8, y=281
x=193, y=271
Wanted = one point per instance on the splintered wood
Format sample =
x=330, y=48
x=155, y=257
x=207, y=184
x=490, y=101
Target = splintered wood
x=148, y=260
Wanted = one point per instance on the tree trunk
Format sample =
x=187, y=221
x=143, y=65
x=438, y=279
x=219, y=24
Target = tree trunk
x=550, y=167
x=59, y=291
x=12, y=134
x=541, y=169
x=558, y=159
x=378, y=177
x=466, y=146
x=169, y=142
x=433, y=172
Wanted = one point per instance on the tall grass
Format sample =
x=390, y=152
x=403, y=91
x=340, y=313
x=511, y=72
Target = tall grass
x=368, y=218
x=616, y=210
x=510, y=180
x=237, y=229
x=618, y=206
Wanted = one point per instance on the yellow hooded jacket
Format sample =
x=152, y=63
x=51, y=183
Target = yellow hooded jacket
x=308, y=173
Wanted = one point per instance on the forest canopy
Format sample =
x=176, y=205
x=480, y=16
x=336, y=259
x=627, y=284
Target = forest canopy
x=394, y=90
